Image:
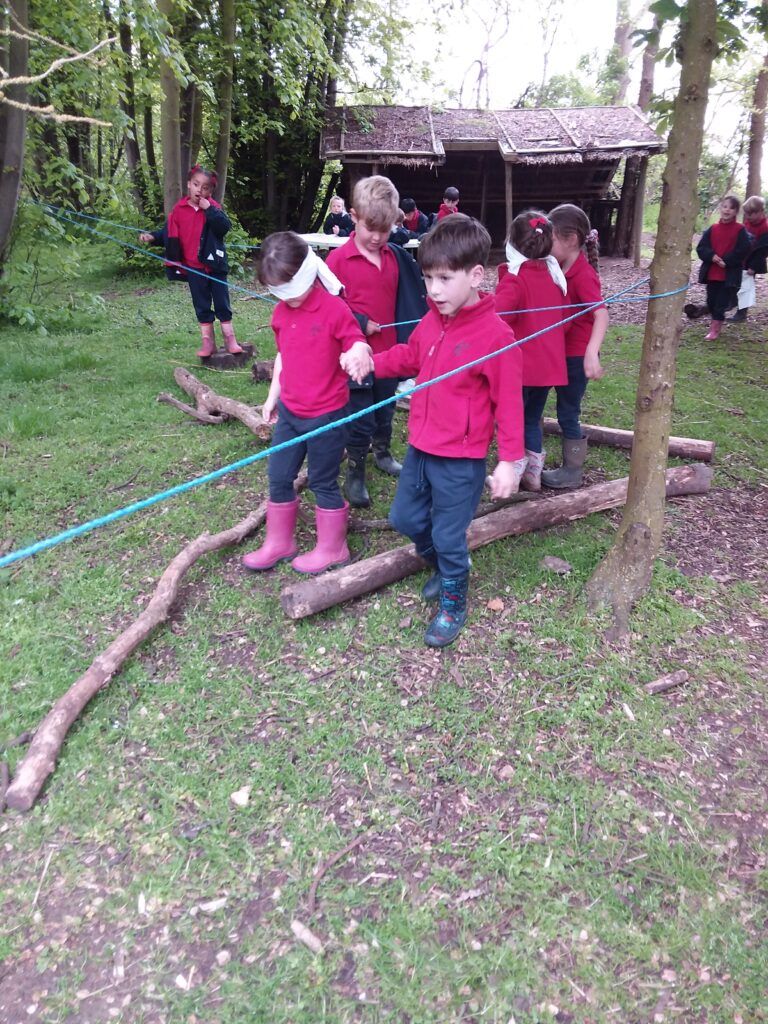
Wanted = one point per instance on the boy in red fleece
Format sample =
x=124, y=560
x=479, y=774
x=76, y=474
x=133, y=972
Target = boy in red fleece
x=451, y=423
x=722, y=250
x=450, y=203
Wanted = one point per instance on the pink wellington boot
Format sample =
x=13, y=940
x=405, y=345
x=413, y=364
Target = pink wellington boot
x=531, y=478
x=714, y=330
x=331, y=548
x=279, y=543
x=209, y=342
x=230, y=341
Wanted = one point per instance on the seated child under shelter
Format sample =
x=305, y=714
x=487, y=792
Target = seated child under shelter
x=451, y=423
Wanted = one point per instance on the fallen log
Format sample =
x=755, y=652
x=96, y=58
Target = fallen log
x=679, y=447
x=40, y=759
x=332, y=588
x=212, y=407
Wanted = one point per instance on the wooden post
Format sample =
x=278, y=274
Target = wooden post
x=483, y=187
x=508, y=193
x=637, y=219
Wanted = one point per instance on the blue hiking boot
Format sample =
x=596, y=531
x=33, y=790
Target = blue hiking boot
x=450, y=619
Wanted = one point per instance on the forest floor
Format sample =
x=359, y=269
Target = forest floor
x=511, y=830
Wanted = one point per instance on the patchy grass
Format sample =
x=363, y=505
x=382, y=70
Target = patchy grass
x=540, y=839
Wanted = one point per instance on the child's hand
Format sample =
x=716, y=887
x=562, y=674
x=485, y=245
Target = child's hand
x=718, y=260
x=357, y=362
x=592, y=368
x=269, y=411
x=506, y=479
x=335, y=229
x=144, y=236
x=751, y=273
x=203, y=203
x=372, y=327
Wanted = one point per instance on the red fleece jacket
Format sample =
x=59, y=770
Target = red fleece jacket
x=455, y=418
x=531, y=288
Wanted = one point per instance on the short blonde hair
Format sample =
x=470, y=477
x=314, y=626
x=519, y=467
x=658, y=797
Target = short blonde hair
x=755, y=204
x=375, y=201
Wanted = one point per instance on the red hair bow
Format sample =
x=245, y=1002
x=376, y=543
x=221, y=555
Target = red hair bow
x=537, y=222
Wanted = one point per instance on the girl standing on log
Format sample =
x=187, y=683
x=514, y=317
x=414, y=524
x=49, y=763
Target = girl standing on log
x=531, y=279
x=576, y=249
x=313, y=327
x=193, y=236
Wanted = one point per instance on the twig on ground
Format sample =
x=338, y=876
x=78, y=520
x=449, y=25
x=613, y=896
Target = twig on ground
x=667, y=682
x=326, y=866
x=5, y=778
x=303, y=934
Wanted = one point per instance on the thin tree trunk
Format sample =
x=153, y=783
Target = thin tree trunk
x=625, y=573
x=169, y=123
x=13, y=125
x=224, y=96
x=622, y=43
x=128, y=106
x=757, y=131
x=649, y=66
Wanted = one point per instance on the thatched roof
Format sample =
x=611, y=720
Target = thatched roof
x=420, y=136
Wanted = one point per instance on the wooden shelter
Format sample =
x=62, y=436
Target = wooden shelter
x=503, y=161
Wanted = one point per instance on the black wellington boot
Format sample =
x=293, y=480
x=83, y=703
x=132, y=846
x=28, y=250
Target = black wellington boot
x=355, y=490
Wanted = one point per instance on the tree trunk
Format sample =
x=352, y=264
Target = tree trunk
x=13, y=124
x=625, y=573
x=649, y=66
x=757, y=131
x=128, y=106
x=622, y=43
x=169, y=123
x=224, y=96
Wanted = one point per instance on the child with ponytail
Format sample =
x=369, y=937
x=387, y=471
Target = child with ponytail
x=193, y=237
x=309, y=389
x=575, y=246
x=531, y=279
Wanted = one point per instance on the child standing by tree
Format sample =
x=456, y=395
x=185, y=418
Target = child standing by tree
x=313, y=327
x=531, y=279
x=382, y=285
x=451, y=424
x=722, y=250
x=756, y=226
x=574, y=245
x=193, y=236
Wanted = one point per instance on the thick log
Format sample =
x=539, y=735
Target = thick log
x=210, y=404
x=332, y=588
x=679, y=447
x=40, y=759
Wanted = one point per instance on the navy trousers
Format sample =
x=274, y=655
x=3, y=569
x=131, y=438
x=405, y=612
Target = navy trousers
x=377, y=425
x=205, y=293
x=323, y=454
x=569, y=398
x=434, y=504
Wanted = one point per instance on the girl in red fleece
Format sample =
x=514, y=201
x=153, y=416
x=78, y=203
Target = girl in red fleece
x=532, y=279
x=193, y=236
x=722, y=250
x=313, y=327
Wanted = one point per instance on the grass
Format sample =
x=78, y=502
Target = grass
x=540, y=840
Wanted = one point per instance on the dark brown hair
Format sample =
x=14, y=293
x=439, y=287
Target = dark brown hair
x=212, y=176
x=567, y=220
x=282, y=253
x=452, y=194
x=457, y=242
x=531, y=234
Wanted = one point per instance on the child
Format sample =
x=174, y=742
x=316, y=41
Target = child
x=309, y=389
x=193, y=235
x=399, y=234
x=415, y=221
x=382, y=285
x=722, y=250
x=338, y=222
x=450, y=424
x=532, y=279
x=450, y=203
x=756, y=226
x=573, y=237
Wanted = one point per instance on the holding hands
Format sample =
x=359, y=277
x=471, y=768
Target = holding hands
x=358, y=361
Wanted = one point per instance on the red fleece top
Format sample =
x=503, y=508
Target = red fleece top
x=186, y=223
x=411, y=220
x=532, y=287
x=723, y=238
x=445, y=210
x=583, y=286
x=367, y=289
x=455, y=418
x=756, y=230
x=310, y=340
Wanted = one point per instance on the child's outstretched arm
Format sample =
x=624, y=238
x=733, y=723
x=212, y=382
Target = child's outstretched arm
x=357, y=361
x=592, y=366
x=269, y=409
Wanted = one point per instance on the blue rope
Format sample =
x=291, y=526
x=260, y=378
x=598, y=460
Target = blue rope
x=137, y=506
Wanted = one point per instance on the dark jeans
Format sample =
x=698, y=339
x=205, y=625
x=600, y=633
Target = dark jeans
x=434, y=504
x=323, y=454
x=378, y=424
x=534, y=400
x=206, y=292
x=720, y=298
x=569, y=398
